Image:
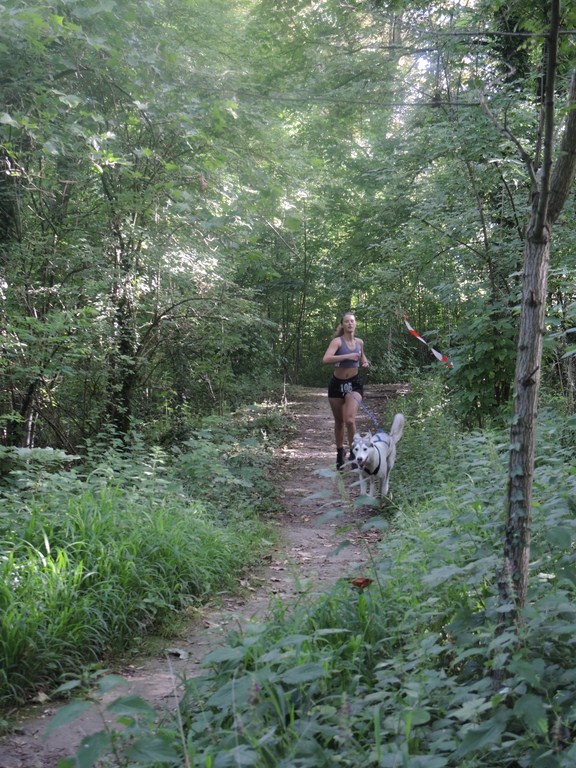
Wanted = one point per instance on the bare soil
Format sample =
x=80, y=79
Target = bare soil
x=306, y=561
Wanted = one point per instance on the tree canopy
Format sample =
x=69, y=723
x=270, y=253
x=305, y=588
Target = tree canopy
x=193, y=192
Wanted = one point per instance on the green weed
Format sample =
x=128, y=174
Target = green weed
x=416, y=669
x=100, y=554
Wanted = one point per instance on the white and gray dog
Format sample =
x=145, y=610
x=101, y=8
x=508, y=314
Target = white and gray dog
x=375, y=455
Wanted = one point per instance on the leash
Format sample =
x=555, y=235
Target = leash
x=367, y=410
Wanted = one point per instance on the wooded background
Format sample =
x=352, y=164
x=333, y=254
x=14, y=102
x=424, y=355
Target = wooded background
x=193, y=192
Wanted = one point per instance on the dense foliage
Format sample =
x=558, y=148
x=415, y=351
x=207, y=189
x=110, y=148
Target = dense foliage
x=184, y=223
x=419, y=668
x=97, y=556
x=191, y=193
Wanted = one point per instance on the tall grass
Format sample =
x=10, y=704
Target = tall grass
x=93, y=557
x=417, y=670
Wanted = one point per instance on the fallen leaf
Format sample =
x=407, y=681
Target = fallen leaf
x=361, y=583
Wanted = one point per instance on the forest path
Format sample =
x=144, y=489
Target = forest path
x=306, y=561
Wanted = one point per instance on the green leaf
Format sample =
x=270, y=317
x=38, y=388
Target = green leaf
x=69, y=686
x=559, y=537
x=224, y=654
x=152, y=750
x=305, y=673
x=376, y=522
x=327, y=631
x=243, y=755
x=366, y=501
x=131, y=705
x=324, y=494
x=70, y=99
x=325, y=472
x=530, y=671
x=416, y=717
x=68, y=713
x=342, y=545
x=440, y=575
x=110, y=682
x=91, y=748
x=91, y=10
x=235, y=691
x=531, y=710
x=332, y=514
x=478, y=738
x=428, y=761
x=471, y=708
x=292, y=224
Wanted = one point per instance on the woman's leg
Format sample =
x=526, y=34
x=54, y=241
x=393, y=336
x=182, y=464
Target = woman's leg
x=337, y=406
x=351, y=404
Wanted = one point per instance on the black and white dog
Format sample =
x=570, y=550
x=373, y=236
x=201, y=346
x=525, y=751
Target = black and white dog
x=375, y=455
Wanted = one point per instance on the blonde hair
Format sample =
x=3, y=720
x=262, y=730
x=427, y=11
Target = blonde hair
x=340, y=327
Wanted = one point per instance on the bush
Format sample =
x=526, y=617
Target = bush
x=419, y=668
x=97, y=555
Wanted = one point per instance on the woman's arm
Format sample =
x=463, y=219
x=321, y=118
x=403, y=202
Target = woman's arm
x=330, y=354
x=364, y=362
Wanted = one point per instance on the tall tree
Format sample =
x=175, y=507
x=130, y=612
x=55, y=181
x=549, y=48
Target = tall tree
x=120, y=150
x=552, y=178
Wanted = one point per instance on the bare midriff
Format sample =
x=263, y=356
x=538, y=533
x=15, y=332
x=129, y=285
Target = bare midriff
x=343, y=374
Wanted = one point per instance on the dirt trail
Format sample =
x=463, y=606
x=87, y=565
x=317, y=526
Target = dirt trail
x=303, y=562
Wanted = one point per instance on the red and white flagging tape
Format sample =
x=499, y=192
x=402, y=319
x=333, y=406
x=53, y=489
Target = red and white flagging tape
x=437, y=355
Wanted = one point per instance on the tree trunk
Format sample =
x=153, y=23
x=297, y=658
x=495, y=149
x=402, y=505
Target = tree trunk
x=522, y=438
x=123, y=369
x=550, y=188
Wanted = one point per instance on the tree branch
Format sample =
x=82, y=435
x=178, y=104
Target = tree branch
x=522, y=152
x=565, y=167
x=543, y=194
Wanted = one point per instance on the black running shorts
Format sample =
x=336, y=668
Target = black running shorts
x=341, y=387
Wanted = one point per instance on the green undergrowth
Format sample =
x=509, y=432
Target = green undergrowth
x=419, y=669
x=96, y=554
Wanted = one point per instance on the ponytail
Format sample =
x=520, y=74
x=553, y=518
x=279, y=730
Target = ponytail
x=339, y=331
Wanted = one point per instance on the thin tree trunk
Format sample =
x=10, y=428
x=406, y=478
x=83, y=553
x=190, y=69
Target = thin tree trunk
x=522, y=437
x=551, y=190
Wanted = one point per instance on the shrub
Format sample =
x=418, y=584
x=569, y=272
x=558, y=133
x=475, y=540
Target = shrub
x=418, y=669
x=97, y=555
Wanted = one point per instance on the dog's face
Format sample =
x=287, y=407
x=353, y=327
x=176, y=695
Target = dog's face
x=362, y=449
x=356, y=441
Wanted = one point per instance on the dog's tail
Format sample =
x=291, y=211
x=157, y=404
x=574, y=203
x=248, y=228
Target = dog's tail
x=397, y=429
